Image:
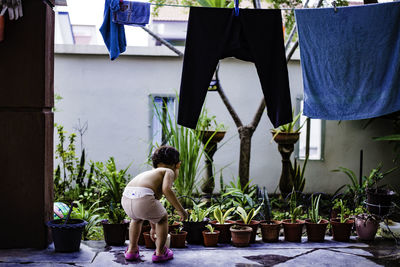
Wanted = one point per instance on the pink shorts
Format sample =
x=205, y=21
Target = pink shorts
x=139, y=203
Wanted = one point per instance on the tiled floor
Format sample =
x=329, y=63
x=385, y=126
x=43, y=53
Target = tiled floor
x=330, y=253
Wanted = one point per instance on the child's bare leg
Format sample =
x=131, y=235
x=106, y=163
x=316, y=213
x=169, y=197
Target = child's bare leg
x=161, y=232
x=134, y=232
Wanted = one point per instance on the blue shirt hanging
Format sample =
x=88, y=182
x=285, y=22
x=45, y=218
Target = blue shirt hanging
x=132, y=13
x=350, y=61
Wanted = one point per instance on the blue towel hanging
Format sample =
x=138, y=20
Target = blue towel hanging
x=350, y=61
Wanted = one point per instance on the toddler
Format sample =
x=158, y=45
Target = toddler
x=140, y=201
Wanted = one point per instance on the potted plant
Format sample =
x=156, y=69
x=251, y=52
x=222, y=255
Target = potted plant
x=293, y=227
x=178, y=237
x=113, y=183
x=67, y=233
x=366, y=224
x=379, y=199
x=196, y=223
x=247, y=220
x=210, y=236
x=222, y=224
x=173, y=223
x=241, y=235
x=286, y=136
x=269, y=228
x=341, y=227
x=315, y=225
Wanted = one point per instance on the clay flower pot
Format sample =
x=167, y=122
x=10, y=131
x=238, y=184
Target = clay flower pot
x=254, y=225
x=316, y=231
x=270, y=231
x=241, y=237
x=145, y=228
x=341, y=231
x=366, y=227
x=173, y=227
x=293, y=231
x=224, y=232
x=178, y=239
x=147, y=240
x=210, y=239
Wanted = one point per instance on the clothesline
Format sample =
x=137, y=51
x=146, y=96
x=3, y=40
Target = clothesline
x=155, y=4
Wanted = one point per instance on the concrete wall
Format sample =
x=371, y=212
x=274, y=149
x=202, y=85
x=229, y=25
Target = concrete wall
x=114, y=98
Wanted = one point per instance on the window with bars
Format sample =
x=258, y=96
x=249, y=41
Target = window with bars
x=163, y=111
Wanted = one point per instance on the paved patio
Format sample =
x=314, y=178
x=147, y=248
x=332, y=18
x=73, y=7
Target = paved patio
x=330, y=253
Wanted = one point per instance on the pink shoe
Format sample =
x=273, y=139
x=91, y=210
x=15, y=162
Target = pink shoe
x=131, y=256
x=168, y=254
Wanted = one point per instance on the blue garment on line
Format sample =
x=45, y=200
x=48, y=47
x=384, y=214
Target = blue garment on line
x=132, y=13
x=350, y=61
x=113, y=34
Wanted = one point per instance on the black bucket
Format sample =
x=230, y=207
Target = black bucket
x=67, y=237
x=194, y=229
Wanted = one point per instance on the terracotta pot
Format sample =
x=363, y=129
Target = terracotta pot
x=293, y=231
x=379, y=202
x=147, y=240
x=145, y=228
x=178, y=239
x=2, y=24
x=316, y=231
x=241, y=237
x=254, y=225
x=114, y=234
x=270, y=231
x=341, y=231
x=286, y=138
x=366, y=228
x=173, y=227
x=210, y=239
x=224, y=232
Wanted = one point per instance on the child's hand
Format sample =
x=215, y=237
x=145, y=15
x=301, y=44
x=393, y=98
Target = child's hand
x=183, y=214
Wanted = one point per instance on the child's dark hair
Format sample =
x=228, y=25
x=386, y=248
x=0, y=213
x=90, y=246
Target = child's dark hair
x=165, y=154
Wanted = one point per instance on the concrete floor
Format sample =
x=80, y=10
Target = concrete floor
x=329, y=253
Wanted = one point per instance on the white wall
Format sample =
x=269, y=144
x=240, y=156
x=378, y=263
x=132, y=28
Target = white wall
x=113, y=98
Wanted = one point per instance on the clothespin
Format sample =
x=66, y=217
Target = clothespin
x=236, y=8
x=334, y=6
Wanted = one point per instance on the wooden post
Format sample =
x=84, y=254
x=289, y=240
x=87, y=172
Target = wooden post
x=26, y=128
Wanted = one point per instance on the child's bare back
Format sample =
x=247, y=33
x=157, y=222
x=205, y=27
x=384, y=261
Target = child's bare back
x=152, y=179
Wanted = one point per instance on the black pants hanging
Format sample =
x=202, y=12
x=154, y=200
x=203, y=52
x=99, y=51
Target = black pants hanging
x=216, y=33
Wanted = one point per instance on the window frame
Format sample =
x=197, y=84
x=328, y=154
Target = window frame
x=152, y=113
x=299, y=99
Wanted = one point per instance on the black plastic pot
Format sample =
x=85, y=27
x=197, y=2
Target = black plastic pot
x=114, y=234
x=67, y=237
x=379, y=201
x=194, y=231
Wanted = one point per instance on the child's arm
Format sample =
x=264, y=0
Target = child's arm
x=170, y=195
